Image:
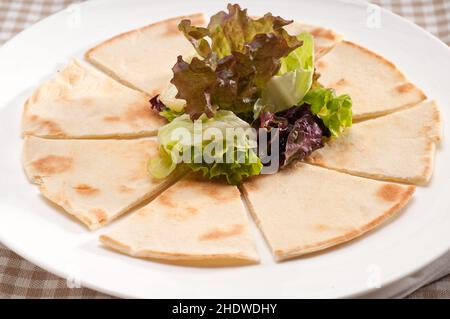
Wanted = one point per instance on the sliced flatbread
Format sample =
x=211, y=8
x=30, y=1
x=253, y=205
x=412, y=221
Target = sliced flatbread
x=396, y=147
x=324, y=39
x=194, y=222
x=93, y=180
x=305, y=208
x=143, y=58
x=81, y=102
x=375, y=85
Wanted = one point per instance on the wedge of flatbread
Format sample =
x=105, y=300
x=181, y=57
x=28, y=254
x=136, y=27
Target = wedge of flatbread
x=93, y=180
x=81, y=102
x=324, y=39
x=375, y=85
x=396, y=147
x=143, y=58
x=305, y=208
x=194, y=222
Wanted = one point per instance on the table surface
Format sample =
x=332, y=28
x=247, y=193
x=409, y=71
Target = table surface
x=21, y=279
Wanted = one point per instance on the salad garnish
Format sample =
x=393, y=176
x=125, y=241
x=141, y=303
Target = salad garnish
x=245, y=73
x=185, y=142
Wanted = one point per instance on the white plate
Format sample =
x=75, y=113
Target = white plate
x=48, y=238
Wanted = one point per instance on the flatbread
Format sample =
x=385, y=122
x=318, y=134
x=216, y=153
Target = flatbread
x=81, y=102
x=375, y=85
x=93, y=180
x=143, y=58
x=324, y=39
x=193, y=222
x=305, y=208
x=396, y=147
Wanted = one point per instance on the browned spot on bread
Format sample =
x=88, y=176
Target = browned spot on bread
x=216, y=189
x=316, y=158
x=138, y=112
x=166, y=200
x=51, y=127
x=321, y=64
x=324, y=33
x=217, y=233
x=99, y=215
x=111, y=119
x=341, y=82
x=191, y=210
x=85, y=189
x=52, y=164
x=436, y=115
x=251, y=184
x=390, y=192
x=125, y=189
x=87, y=101
x=182, y=213
x=321, y=227
x=429, y=146
x=404, y=88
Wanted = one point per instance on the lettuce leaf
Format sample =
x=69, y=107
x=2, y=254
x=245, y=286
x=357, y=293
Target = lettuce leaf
x=235, y=82
x=196, y=36
x=172, y=150
x=194, y=82
x=300, y=132
x=293, y=81
x=230, y=31
x=233, y=70
x=234, y=172
x=159, y=105
x=170, y=114
x=168, y=97
x=334, y=111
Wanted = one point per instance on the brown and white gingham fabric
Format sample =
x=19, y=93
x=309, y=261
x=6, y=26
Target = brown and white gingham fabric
x=21, y=279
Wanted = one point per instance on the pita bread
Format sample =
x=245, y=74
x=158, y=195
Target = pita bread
x=376, y=86
x=324, y=39
x=194, y=222
x=143, y=58
x=305, y=208
x=93, y=180
x=396, y=147
x=81, y=102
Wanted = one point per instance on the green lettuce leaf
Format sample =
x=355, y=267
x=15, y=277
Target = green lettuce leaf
x=293, y=81
x=170, y=114
x=172, y=150
x=335, y=111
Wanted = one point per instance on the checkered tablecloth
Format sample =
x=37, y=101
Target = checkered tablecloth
x=21, y=279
